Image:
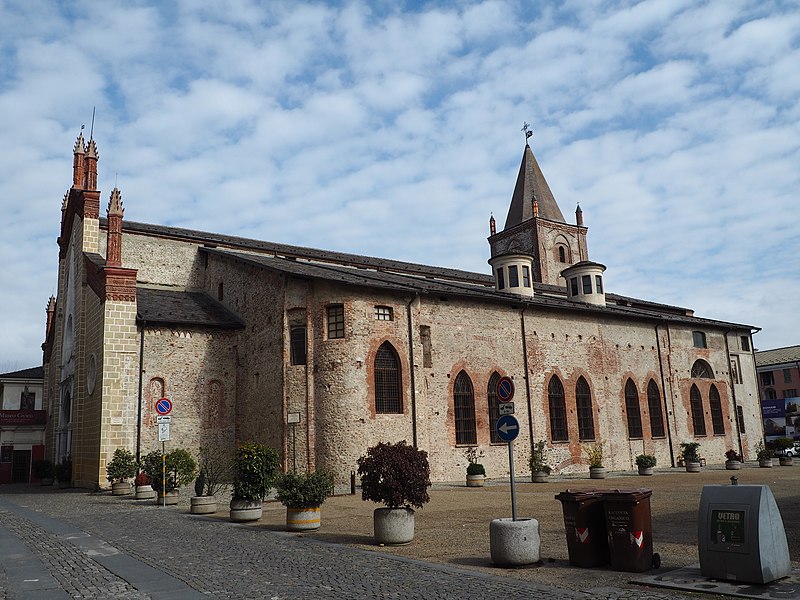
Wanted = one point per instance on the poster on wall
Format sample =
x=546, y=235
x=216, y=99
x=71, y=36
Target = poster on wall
x=6, y=453
x=781, y=418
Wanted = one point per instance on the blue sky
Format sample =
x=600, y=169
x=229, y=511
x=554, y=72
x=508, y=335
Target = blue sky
x=393, y=130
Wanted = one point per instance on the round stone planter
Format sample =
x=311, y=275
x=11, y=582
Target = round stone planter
x=539, y=476
x=785, y=461
x=393, y=526
x=733, y=465
x=514, y=543
x=144, y=492
x=475, y=480
x=303, y=519
x=597, y=472
x=645, y=470
x=168, y=499
x=121, y=488
x=765, y=463
x=245, y=510
x=202, y=505
x=692, y=467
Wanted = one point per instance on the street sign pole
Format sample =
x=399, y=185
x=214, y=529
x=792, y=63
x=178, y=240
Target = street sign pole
x=164, y=472
x=513, y=487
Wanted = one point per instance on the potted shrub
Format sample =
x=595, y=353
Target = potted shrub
x=44, y=470
x=764, y=455
x=255, y=468
x=144, y=490
x=121, y=467
x=397, y=475
x=215, y=470
x=782, y=444
x=302, y=494
x=63, y=472
x=691, y=456
x=594, y=455
x=540, y=470
x=181, y=469
x=476, y=473
x=732, y=462
x=645, y=464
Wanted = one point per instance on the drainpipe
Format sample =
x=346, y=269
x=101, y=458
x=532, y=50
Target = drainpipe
x=664, y=388
x=139, y=405
x=411, y=370
x=527, y=378
x=733, y=395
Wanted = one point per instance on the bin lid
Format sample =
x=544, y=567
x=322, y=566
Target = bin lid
x=578, y=495
x=633, y=495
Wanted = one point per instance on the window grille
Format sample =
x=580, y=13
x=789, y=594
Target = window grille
x=654, y=407
x=583, y=402
x=698, y=420
x=717, y=420
x=632, y=410
x=388, y=390
x=494, y=408
x=464, y=404
x=384, y=313
x=335, y=321
x=702, y=370
x=558, y=410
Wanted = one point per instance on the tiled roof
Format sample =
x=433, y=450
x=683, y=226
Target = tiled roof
x=32, y=373
x=777, y=356
x=172, y=307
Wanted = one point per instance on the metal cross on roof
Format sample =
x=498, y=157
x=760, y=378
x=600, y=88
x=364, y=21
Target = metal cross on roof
x=528, y=132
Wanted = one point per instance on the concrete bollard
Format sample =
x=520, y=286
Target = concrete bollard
x=514, y=543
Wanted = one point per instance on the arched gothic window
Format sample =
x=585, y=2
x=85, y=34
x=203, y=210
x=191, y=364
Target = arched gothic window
x=464, y=404
x=717, y=420
x=494, y=409
x=558, y=410
x=583, y=403
x=388, y=390
x=702, y=370
x=698, y=420
x=654, y=407
x=632, y=410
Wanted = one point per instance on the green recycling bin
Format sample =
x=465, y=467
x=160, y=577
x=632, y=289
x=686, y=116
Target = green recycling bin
x=630, y=529
x=585, y=527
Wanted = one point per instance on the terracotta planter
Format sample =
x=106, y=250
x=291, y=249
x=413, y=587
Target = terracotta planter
x=303, y=519
x=243, y=511
x=475, y=480
x=733, y=465
x=393, y=526
x=597, y=472
x=202, y=505
x=121, y=488
x=539, y=476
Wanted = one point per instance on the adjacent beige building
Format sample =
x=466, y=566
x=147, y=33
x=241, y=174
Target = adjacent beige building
x=323, y=354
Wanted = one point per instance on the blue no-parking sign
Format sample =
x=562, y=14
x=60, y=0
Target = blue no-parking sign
x=507, y=428
x=505, y=389
x=164, y=406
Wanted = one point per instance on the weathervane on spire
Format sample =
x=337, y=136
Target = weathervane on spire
x=528, y=132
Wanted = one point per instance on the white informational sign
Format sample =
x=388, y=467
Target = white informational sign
x=164, y=419
x=163, y=432
x=505, y=408
x=293, y=417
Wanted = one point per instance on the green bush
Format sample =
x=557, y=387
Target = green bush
x=475, y=469
x=398, y=475
x=255, y=468
x=303, y=490
x=122, y=466
x=762, y=452
x=181, y=469
x=646, y=461
x=538, y=460
x=690, y=452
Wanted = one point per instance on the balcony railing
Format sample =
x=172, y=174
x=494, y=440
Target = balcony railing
x=23, y=417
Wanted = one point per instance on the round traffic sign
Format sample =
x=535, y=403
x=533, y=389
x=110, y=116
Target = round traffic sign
x=507, y=428
x=505, y=389
x=164, y=406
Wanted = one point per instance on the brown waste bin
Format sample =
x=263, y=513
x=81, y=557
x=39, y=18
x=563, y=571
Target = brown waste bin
x=585, y=527
x=630, y=529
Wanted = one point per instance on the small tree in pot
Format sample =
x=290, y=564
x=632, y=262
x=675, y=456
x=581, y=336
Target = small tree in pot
x=691, y=456
x=764, y=455
x=397, y=475
x=782, y=444
x=645, y=464
x=121, y=467
x=476, y=473
x=302, y=494
x=181, y=469
x=215, y=470
x=540, y=470
x=732, y=462
x=255, y=468
x=594, y=455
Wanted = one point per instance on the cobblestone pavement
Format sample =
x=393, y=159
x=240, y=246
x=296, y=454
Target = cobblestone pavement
x=77, y=536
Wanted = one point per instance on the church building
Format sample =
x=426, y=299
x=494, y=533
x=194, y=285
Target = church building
x=322, y=354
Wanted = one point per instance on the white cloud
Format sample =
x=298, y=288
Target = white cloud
x=373, y=129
